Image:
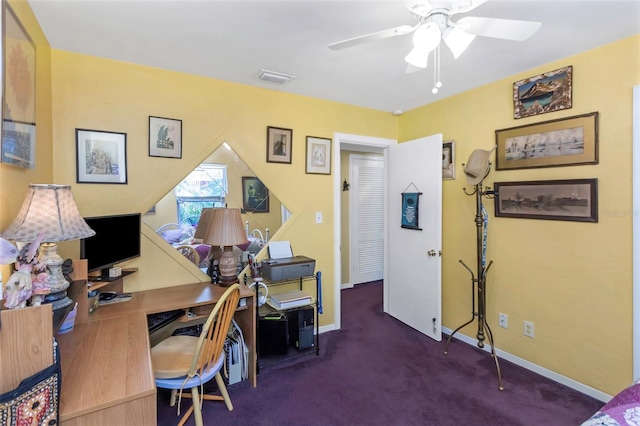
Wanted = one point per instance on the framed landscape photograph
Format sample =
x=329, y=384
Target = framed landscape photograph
x=279, y=145
x=567, y=141
x=255, y=196
x=101, y=157
x=165, y=137
x=548, y=92
x=318, y=156
x=571, y=200
x=448, y=160
x=19, y=144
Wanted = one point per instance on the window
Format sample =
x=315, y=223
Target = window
x=205, y=186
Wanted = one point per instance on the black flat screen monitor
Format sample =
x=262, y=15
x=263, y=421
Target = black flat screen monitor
x=117, y=239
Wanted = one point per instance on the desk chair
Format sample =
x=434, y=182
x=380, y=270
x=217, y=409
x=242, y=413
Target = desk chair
x=190, y=253
x=181, y=362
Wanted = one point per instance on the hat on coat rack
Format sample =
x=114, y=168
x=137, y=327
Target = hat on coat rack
x=478, y=165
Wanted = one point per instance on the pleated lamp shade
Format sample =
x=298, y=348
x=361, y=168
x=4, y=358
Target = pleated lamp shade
x=52, y=211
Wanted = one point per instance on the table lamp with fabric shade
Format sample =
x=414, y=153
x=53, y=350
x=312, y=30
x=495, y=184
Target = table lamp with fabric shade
x=226, y=229
x=50, y=210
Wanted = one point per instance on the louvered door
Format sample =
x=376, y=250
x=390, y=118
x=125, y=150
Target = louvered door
x=367, y=218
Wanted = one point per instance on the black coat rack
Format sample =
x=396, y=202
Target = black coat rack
x=478, y=285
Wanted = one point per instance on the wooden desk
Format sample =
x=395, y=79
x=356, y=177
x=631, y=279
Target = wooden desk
x=107, y=377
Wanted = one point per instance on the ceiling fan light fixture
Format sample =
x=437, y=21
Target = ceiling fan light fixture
x=418, y=57
x=457, y=40
x=427, y=36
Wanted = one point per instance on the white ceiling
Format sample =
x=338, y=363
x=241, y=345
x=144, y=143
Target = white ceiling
x=233, y=40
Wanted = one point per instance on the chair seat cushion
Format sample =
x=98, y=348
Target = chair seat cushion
x=172, y=357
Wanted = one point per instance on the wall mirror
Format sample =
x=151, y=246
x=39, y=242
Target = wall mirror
x=222, y=178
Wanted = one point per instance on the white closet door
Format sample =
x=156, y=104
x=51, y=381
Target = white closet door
x=366, y=218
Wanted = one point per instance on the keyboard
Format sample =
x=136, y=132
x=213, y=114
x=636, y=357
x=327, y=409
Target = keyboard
x=157, y=321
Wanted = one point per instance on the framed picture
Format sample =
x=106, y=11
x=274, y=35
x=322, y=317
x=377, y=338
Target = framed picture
x=101, y=157
x=318, y=156
x=572, y=199
x=255, y=196
x=19, y=90
x=279, y=145
x=563, y=142
x=19, y=144
x=410, y=210
x=165, y=137
x=448, y=160
x=548, y=92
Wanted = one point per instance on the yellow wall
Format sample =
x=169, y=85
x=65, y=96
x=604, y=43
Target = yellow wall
x=100, y=94
x=14, y=181
x=573, y=280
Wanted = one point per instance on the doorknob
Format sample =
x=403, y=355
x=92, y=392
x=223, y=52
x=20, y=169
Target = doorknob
x=432, y=252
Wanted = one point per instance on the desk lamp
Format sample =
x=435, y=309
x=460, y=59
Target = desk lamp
x=52, y=211
x=226, y=229
x=203, y=223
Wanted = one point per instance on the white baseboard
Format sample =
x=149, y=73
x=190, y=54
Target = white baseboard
x=587, y=390
x=325, y=328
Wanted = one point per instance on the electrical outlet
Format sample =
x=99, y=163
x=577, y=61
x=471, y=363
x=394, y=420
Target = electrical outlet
x=528, y=329
x=503, y=320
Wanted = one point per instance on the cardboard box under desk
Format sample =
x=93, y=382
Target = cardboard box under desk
x=288, y=268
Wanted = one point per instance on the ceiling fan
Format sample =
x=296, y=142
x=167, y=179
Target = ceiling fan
x=434, y=24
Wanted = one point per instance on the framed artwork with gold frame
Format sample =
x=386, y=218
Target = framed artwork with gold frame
x=567, y=141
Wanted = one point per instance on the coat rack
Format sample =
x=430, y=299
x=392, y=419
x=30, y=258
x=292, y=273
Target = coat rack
x=478, y=285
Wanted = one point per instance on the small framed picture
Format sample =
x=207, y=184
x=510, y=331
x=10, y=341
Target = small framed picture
x=101, y=157
x=548, y=92
x=448, y=160
x=165, y=137
x=318, y=156
x=255, y=196
x=279, y=145
x=19, y=144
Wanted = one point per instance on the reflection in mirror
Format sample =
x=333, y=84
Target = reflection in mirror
x=222, y=179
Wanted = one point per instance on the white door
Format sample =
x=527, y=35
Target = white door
x=366, y=218
x=412, y=257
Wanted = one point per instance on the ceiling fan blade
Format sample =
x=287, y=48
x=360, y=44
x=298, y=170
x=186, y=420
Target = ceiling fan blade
x=498, y=28
x=380, y=35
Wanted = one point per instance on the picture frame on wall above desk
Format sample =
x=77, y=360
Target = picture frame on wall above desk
x=101, y=157
x=318, y=156
x=19, y=83
x=165, y=137
x=279, y=145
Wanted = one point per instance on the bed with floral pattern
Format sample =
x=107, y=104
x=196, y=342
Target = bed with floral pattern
x=622, y=410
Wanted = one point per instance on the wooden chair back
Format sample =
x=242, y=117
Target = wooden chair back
x=214, y=332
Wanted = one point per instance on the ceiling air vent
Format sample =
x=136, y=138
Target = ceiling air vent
x=274, y=77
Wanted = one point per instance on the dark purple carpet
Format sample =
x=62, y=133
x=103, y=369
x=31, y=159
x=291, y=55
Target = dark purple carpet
x=378, y=371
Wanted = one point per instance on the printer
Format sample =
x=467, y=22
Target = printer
x=288, y=268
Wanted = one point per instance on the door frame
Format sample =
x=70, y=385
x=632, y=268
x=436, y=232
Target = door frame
x=353, y=143
x=636, y=231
